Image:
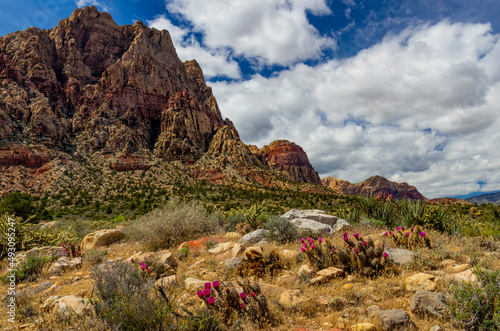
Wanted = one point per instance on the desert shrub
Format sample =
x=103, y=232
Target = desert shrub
x=173, y=224
x=253, y=216
x=412, y=239
x=31, y=268
x=125, y=300
x=95, y=256
x=281, y=230
x=29, y=235
x=225, y=301
x=183, y=252
x=232, y=221
x=360, y=257
x=476, y=306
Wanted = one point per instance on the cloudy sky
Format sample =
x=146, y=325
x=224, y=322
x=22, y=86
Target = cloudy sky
x=405, y=89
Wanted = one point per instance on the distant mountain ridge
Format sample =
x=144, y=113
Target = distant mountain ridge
x=486, y=198
x=379, y=186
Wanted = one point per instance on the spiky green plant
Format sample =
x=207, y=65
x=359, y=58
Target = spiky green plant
x=358, y=257
x=412, y=239
x=29, y=235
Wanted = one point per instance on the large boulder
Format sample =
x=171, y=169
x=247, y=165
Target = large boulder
x=396, y=320
x=310, y=225
x=316, y=215
x=427, y=303
x=101, y=238
x=65, y=263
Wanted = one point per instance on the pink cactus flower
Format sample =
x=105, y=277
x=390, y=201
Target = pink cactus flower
x=207, y=285
x=356, y=235
x=210, y=300
x=143, y=266
x=383, y=244
x=200, y=294
x=308, y=239
x=320, y=240
x=312, y=240
x=132, y=260
x=402, y=228
x=346, y=239
x=252, y=294
x=345, y=234
x=206, y=292
x=216, y=284
x=385, y=234
x=243, y=295
x=390, y=233
x=64, y=251
x=242, y=306
x=365, y=243
x=301, y=240
x=62, y=245
x=333, y=250
x=141, y=262
x=412, y=229
x=386, y=255
x=302, y=249
x=356, y=250
x=422, y=234
x=313, y=246
x=398, y=228
x=149, y=271
x=407, y=234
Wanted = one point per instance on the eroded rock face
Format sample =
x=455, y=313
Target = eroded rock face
x=93, y=85
x=380, y=187
x=289, y=160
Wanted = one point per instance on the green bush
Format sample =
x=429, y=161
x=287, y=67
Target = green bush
x=281, y=230
x=95, y=256
x=31, y=268
x=173, y=224
x=476, y=306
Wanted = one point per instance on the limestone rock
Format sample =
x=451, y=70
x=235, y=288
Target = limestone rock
x=459, y=268
x=330, y=272
x=72, y=304
x=101, y=238
x=193, y=284
x=464, y=276
x=310, y=225
x=291, y=299
x=420, y=281
x=65, y=263
x=428, y=303
x=400, y=255
x=164, y=257
x=363, y=327
x=254, y=237
x=233, y=263
x=221, y=248
x=166, y=280
x=304, y=271
x=316, y=215
x=289, y=255
x=396, y=320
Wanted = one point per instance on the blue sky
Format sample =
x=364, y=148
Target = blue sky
x=409, y=90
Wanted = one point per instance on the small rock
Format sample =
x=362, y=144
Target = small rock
x=166, y=280
x=459, y=268
x=347, y=286
x=221, y=248
x=435, y=328
x=101, y=238
x=291, y=299
x=464, y=276
x=330, y=272
x=318, y=280
x=193, y=284
x=304, y=271
x=237, y=249
x=420, y=281
x=73, y=303
x=233, y=263
x=396, y=320
x=400, y=255
x=363, y=327
x=447, y=264
x=426, y=303
x=254, y=237
x=373, y=311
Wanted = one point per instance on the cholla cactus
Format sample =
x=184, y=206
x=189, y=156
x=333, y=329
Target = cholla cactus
x=227, y=301
x=410, y=239
x=360, y=256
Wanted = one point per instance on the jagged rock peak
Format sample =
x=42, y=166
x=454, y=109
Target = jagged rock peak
x=289, y=160
x=379, y=186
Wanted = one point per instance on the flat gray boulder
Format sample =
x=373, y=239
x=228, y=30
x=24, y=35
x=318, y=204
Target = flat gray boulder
x=427, y=303
x=316, y=215
x=396, y=320
x=307, y=224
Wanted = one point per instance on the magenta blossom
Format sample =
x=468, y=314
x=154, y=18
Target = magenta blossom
x=385, y=234
x=313, y=246
x=210, y=300
x=407, y=234
x=402, y=228
x=333, y=250
x=356, y=250
x=346, y=239
x=200, y=294
x=132, y=260
x=398, y=228
x=386, y=255
x=62, y=245
x=301, y=240
x=143, y=266
x=243, y=295
x=242, y=306
x=207, y=285
x=422, y=234
x=345, y=234
x=140, y=262
x=216, y=284
x=206, y=292
x=149, y=271
x=252, y=294
x=383, y=244
x=302, y=249
x=308, y=239
x=412, y=229
x=390, y=233
x=64, y=250
x=356, y=235
x=365, y=243
x=320, y=240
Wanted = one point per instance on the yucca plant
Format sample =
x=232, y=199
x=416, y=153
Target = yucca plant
x=412, y=239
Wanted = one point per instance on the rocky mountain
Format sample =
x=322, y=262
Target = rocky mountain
x=91, y=88
x=379, y=186
x=486, y=198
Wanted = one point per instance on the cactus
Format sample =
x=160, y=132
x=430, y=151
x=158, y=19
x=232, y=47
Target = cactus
x=360, y=257
x=29, y=235
x=412, y=239
x=251, y=214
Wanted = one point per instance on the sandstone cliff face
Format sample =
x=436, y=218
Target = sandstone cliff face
x=380, y=187
x=289, y=160
x=92, y=85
